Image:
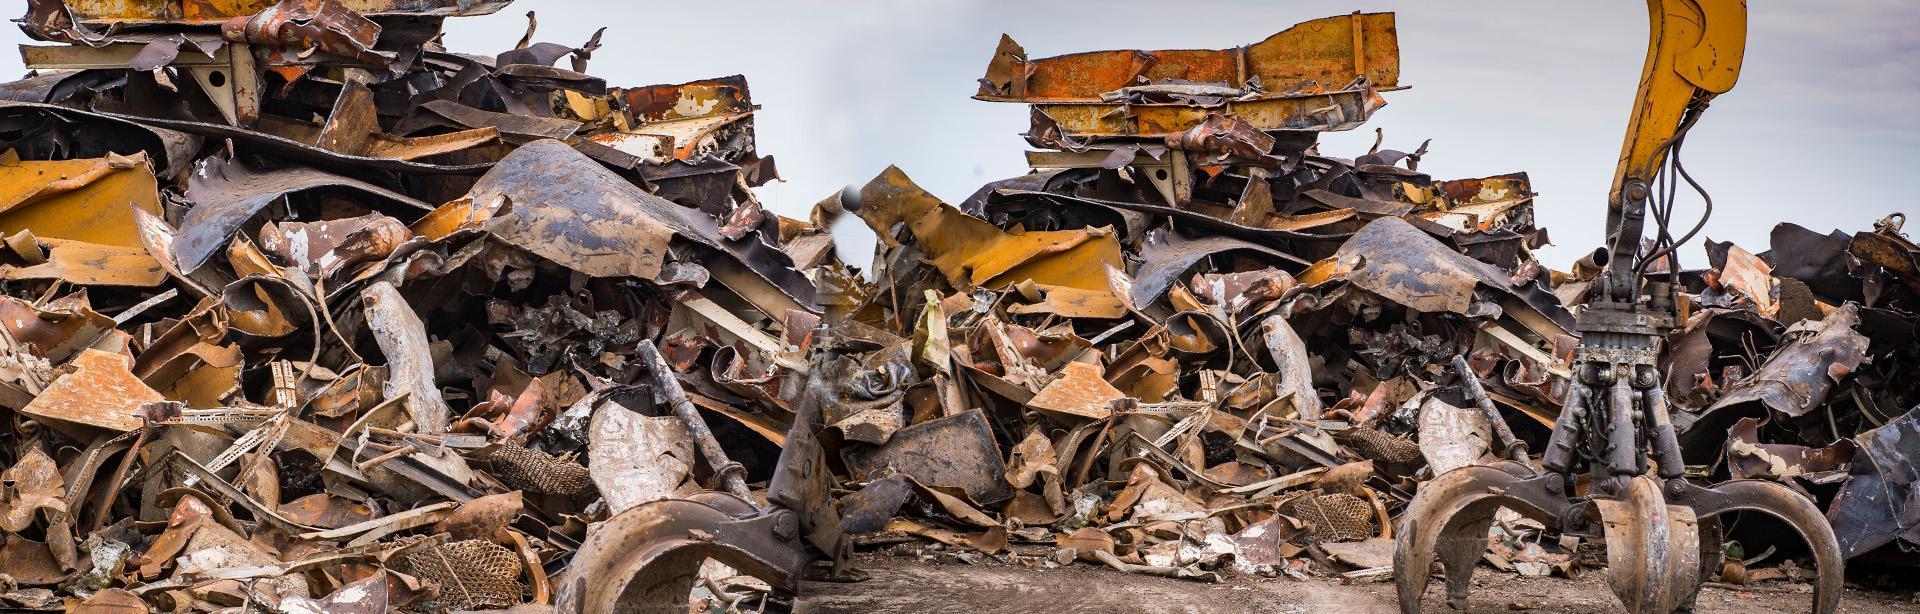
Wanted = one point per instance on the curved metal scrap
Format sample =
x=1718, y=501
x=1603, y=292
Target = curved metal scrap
x=1792, y=382
x=226, y=193
x=1448, y=520
x=573, y=211
x=647, y=559
x=46, y=132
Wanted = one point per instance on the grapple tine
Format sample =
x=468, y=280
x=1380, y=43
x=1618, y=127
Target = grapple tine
x=1779, y=501
x=1448, y=521
x=1653, y=549
x=647, y=559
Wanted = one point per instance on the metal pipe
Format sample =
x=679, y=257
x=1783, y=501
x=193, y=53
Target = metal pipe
x=1510, y=446
x=732, y=474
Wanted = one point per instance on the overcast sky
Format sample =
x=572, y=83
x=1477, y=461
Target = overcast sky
x=1819, y=130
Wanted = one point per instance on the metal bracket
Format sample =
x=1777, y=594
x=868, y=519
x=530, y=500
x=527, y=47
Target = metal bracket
x=230, y=77
x=1171, y=175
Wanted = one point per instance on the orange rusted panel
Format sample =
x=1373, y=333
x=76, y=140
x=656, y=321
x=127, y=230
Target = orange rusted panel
x=1080, y=393
x=89, y=199
x=722, y=96
x=101, y=393
x=973, y=253
x=1324, y=53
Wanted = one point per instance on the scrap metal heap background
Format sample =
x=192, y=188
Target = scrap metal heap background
x=303, y=310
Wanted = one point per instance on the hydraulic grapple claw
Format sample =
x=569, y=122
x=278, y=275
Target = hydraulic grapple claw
x=1662, y=536
x=1448, y=522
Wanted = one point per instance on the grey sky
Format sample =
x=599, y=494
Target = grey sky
x=1822, y=115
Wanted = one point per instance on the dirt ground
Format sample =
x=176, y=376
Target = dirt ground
x=906, y=584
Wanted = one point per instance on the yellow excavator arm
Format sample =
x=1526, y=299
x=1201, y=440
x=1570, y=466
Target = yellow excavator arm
x=1694, y=49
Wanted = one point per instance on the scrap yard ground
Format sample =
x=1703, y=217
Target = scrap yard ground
x=906, y=583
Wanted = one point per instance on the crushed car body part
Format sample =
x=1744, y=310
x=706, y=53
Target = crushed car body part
x=571, y=210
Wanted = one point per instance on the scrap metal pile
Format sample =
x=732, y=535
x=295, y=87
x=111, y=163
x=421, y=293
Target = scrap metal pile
x=305, y=312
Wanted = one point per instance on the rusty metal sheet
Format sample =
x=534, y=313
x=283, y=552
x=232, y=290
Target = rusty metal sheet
x=569, y=209
x=88, y=199
x=1081, y=392
x=101, y=393
x=724, y=96
x=974, y=253
x=956, y=451
x=1747, y=275
x=53, y=332
x=325, y=248
x=1327, y=52
x=1795, y=380
x=85, y=263
x=226, y=193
